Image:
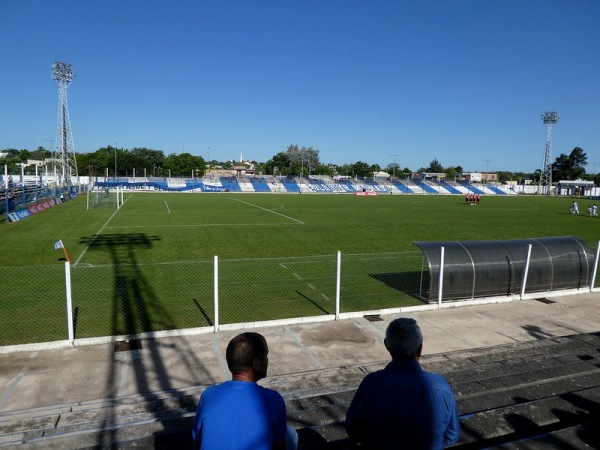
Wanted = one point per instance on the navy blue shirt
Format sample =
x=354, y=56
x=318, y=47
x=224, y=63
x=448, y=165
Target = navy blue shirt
x=403, y=407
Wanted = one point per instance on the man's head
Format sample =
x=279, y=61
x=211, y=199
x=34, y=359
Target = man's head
x=403, y=339
x=247, y=354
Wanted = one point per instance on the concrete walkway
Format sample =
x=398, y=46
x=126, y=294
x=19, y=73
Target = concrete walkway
x=52, y=377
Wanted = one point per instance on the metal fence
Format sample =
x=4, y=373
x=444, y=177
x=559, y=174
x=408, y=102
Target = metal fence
x=60, y=302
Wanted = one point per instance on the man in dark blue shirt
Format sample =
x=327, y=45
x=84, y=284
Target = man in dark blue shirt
x=403, y=406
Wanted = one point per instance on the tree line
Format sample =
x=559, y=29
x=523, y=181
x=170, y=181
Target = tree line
x=294, y=161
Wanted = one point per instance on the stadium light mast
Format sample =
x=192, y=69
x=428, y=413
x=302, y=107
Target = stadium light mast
x=67, y=164
x=394, y=168
x=545, y=187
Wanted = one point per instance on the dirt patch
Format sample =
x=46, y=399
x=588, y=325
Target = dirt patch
x=327, y=335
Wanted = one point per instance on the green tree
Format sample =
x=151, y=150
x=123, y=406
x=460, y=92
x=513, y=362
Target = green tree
x=279, y=165
x=435, y=167
x=303, y=160
x=361, y=169
x=569, y=167
x=184, y=164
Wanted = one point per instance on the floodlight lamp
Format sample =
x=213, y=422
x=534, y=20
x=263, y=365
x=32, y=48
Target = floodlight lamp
x=550, y=118
x=62, y=72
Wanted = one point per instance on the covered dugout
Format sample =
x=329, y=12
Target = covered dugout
x=497, y=268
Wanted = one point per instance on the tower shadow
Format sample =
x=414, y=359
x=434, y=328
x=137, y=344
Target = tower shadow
x=135, y=308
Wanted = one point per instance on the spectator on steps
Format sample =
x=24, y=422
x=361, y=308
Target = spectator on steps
x=403, y=406
x=240, y=414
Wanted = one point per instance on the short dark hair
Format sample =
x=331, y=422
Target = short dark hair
x=243, y=349
x=403, y=338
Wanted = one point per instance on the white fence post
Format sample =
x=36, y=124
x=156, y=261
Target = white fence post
x=593, y=280
x=441, y=278
x=69, y=303
x=216, y=290
x=337, y=285
x=526, y=271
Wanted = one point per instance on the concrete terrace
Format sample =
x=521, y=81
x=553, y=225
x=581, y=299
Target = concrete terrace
x=526, y=375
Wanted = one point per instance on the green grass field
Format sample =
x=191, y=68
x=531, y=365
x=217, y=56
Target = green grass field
x=149, y=265
x=184, y=227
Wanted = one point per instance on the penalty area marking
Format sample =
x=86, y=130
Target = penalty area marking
x=268, y=210
x=167, y=206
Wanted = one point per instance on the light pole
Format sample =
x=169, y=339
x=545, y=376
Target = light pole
x=549, y=119
x=487, y=168
x=115, y=178
x=53, y=155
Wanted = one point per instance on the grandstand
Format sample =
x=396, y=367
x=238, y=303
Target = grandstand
x=318, y=184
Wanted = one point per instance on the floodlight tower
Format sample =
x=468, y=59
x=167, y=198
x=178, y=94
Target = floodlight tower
x=67, y=165
x=545, y=187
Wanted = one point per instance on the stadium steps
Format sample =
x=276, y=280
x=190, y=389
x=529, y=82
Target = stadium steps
x=542, y=394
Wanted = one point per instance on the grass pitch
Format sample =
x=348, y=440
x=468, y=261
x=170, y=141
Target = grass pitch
x=184, y=227
x=149, y=265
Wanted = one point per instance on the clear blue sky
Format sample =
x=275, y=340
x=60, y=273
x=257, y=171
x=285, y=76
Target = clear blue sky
x=463, y=81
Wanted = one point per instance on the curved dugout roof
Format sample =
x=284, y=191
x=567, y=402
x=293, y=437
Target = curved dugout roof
x=493, y=268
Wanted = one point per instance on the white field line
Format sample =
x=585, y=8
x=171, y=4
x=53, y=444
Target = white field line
x=196, y=225
x=168, y=209
x=97, y=234
x=268, y=210
x=323, y=296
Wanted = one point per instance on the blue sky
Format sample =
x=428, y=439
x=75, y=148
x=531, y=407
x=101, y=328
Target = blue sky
x=462, y=81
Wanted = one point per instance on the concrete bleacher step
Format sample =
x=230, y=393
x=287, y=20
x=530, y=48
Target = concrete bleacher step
x=526, y=395
x=528, y=392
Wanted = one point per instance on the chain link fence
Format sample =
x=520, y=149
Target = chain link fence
x=32, y=304
x=130, y=298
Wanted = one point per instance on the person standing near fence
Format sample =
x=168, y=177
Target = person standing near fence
x=403, y=406
x=240, y=414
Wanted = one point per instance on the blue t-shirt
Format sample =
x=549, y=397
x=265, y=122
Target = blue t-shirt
x=403, y=407
x=239, y=415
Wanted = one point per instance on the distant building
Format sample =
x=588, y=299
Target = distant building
x=432, y=176
x=574, y=187
x=479, y=177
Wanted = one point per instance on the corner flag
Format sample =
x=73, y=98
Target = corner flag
x=58, y=245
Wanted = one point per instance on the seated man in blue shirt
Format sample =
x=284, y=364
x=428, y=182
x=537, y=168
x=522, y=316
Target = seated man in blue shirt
x=403, y=406
x=240, y=414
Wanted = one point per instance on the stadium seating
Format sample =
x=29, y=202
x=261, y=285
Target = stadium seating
x=290, y=185
x=231, y=184
x=450, y=188
x=315, y=184
x=427, y=189
x=539, y=394
x=472, y=188
x=260, y=185
x=403, y=188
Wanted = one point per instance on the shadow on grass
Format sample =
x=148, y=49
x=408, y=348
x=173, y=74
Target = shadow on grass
x=408, y=283
x=203, y=312
x=136, y=308
x=314, y=303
